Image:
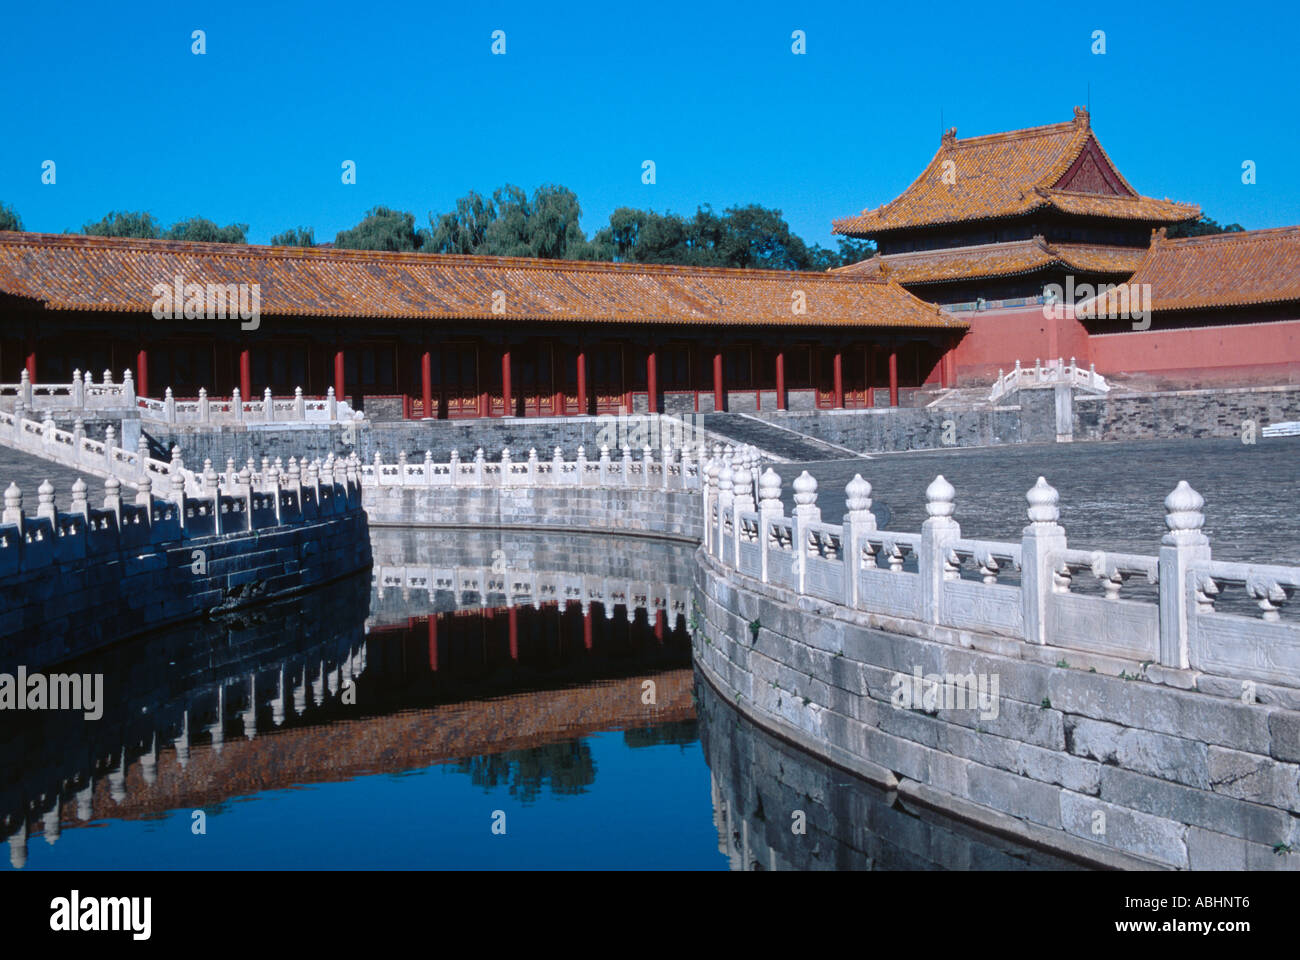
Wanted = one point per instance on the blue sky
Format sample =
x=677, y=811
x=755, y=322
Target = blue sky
x=256, y=129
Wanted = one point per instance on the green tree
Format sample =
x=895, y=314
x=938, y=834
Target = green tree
x=9, y=219
x=199, y=230
x=294, y=237
x=465, y=229
x=554, y=231
x=124, y=223
x=508, y=235
x=382, y=229
x=853, y=250
x=1201, y=228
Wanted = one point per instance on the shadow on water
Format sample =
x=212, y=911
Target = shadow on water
x=776, y=807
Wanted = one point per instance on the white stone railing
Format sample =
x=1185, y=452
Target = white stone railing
x=1022, y=378
x=205, y=411
x=84, y=395
x=673, y=470
x=938, y=583
x=81, y=394
x=100, y=458
x=233, y=502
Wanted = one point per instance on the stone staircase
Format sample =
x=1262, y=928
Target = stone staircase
x=772, y=438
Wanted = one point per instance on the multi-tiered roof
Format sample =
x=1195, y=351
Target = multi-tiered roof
x=1031, y=203
x=1060, y=167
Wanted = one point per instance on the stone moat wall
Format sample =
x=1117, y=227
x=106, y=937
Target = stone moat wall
x=672, y=514
x=1110, y=769
x=73, y=583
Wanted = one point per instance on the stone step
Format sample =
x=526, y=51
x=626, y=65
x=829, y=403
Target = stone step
x=771, y=438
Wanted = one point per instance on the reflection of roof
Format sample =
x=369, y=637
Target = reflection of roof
x=68, y=272
x=997, y=260
x=392, y=743
x=1060, y=166
x=1220, y=270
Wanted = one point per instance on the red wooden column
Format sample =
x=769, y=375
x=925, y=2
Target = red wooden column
x=507, y=408
x=718, y=401
x=837, y=375
x=652, y=379
x=246, y=374
x=586, y=629
x=557, y=396
x=582, y=379
x=31, y=362
x=433, y=642
x=142, y=373
x=893, y=375
x=513, y=615
x=426, y=384
x=780, y=379
x=338, y=373
x=660, y=616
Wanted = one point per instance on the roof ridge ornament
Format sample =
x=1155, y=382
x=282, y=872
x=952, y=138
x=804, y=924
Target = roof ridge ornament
x=1081, y=117
x=949, y=137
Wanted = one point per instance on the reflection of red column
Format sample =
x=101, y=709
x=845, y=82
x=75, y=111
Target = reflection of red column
x=893, y=376
x=433, y=643
x=586, y=629
x=507, y=408
x=837, y=374
x=246, y=374
x=426, y=384
x=514, y=633
x=780, y=379
x=652, y=380
x=338, y=373
x=659, y=625
x=717, y=380
x=582, y=381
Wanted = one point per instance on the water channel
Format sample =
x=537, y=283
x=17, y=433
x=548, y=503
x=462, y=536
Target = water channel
x=495, y=699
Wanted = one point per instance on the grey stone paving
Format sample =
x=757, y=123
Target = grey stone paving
x=28, y=471
x=1112, y=494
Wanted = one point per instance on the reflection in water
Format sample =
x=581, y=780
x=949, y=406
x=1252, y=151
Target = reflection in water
x=473, y=672
x=763, y=787
x=508, y=693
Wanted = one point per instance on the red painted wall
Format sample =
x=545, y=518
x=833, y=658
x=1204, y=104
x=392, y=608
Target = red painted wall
x=1265, y=352
x=998, y=338
x=1237, y=353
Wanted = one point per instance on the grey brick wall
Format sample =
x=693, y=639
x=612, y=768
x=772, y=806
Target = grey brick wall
x=1083, y=761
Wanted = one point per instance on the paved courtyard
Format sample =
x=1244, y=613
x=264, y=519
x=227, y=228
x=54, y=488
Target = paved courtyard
x=1112, y=494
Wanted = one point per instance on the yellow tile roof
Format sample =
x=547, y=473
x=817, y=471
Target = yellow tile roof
x=1220, y=270
x=69, y=272
x=996, y=260
x=1008, y=174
